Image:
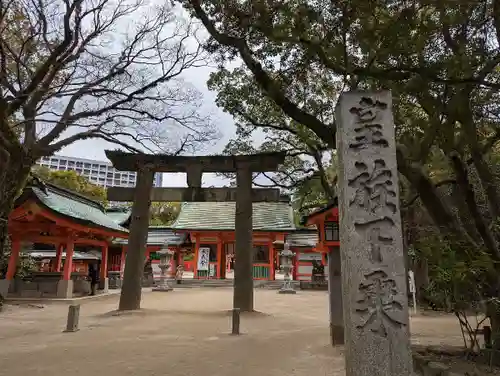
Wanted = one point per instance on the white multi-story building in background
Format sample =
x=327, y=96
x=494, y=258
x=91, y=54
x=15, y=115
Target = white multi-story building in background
x=99, y=173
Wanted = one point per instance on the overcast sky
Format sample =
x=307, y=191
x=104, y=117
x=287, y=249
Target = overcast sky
x=94, y=149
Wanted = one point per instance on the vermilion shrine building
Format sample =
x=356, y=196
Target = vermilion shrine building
x=210, y=226
x=51, y=216
x=48, y=216
x=326, y=223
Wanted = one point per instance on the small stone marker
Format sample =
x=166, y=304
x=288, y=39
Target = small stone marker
x=375, y=305
x=236, y=321
x=73, y=318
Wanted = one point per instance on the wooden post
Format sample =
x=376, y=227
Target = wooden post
x=104, y=262
x=65, y=285
x=196, y=249
x=68, y=261
x=104, y=283
x=271, y=261
x=73, y=318
x=130, y=298
x=335, y=297
x=122, y=261
x=235, y=321
x=58, y=259
x=13, y=259
x=11, y=269
x=243, y=276
x=219, y=257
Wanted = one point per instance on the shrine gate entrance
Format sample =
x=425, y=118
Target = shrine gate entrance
x=146, y=165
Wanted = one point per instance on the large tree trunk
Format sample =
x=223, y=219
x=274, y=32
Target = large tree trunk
x=15, y=175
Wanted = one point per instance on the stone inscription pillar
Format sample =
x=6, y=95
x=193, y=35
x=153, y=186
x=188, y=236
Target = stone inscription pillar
x=243, y=267
x=375, y=304
x=335, y=298
x=130, y=297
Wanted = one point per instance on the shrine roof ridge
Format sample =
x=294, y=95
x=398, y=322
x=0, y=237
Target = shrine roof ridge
x=262, y=162
x=70, y=205
x=220, y=216
x=316, y=212
x=43, y=185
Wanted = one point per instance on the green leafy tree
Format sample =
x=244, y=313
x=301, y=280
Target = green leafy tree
x=164, y=213
x=73, y=181
x=440, y=60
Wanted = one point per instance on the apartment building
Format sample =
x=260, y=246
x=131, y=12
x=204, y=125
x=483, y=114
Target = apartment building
x=98, y=172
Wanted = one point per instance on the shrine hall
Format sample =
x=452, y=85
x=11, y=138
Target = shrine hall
x=53, y=217
x=66, y=232
x=211, y=228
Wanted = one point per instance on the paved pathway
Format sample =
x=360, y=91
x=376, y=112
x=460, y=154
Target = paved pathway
x=185, y=333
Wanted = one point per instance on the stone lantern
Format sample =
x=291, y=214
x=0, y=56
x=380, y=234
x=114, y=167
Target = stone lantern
x=165, y=260
x=286, y=257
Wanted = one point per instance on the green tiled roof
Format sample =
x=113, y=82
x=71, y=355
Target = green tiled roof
x=119, y=216
x=267, y=216
x=159, y=235
x=69, y=204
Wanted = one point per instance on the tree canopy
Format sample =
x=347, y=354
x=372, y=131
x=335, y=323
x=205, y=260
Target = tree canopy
x=439, y=60
x=289, y=61
x=164, y=213
x=73, y=181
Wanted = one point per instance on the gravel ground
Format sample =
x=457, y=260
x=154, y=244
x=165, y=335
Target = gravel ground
x=185, y=333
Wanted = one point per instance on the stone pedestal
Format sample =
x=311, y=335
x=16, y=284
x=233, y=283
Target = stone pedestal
x=104, y=284
x=4, y=287
x=377, y=337
x=115, y=281
x=335, y=298
x=65, y=289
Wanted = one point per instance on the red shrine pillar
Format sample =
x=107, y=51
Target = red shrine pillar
x=196, y=250
x=58, y=260
x=14, y=258
x=122, y=260
x=15, y=250
x=65, y=285
x=104, y=281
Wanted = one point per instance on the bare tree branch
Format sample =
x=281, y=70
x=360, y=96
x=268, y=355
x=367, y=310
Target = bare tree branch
x=103, y=69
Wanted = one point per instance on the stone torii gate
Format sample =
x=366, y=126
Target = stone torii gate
x=143, y=194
